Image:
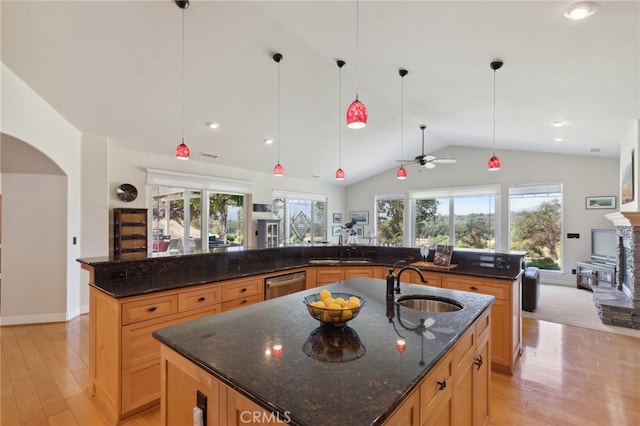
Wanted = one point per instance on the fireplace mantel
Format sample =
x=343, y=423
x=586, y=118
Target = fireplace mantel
x=624, y=218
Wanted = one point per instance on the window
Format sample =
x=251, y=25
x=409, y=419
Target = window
x=214, y=217
x=303, y=216
x=535, y=221
x=461, y=217
x=178, y=229
x=389, y=220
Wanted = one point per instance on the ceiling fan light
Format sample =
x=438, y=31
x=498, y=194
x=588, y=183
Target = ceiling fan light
x=339, y=174
x=401, y=173
x=357, y=115
x=182, y=151
x=494, y=163
x=278, y=170
x=430, y=165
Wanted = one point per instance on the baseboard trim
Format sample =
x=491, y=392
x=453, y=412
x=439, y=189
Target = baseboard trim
x=33, y=319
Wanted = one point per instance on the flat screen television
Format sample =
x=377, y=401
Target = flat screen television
x=604, y=246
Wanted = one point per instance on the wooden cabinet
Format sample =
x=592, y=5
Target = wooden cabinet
x=470, y=401
x=129, y=233
x=242, y=292
x=455, y=392
x=328, y=275
x=590, y=275
x=125, y=374
x=506, y=315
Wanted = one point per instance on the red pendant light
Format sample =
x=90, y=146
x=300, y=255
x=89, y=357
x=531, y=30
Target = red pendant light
x=182, y=150
x=357, y=113
x=402, y=172
x=278, y=170
x=494, y=162
x=340, y=172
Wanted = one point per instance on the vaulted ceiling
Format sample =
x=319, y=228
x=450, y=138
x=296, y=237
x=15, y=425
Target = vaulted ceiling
x=114, y=68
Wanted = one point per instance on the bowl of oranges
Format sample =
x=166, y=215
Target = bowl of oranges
x=335, y=309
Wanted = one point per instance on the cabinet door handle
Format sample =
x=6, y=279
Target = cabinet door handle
x=442, y=385
x=202, y=299
x=243, y=301
x=478, y=362
x=243, y=290
x=473, y=287
x=152, y=308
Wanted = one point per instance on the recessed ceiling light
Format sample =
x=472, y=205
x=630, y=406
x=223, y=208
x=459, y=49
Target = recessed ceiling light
x=558, y=139
x=268, y=141
x=213, y=125
x=557, y=124
x=580, y=10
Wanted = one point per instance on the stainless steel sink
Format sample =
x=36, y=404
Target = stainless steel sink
x=360, y=261
x=324, y=261
x=430, y=304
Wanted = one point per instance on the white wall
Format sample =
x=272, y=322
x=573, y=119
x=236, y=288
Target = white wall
x=581, y=177
x=26, y=117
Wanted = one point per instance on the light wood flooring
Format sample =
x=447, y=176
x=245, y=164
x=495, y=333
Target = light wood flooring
x=566, y=376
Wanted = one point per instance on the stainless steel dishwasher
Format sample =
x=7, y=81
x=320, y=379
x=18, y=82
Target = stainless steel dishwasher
x=282, y=285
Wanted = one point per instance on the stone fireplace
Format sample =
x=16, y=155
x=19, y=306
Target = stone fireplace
x=620, y=306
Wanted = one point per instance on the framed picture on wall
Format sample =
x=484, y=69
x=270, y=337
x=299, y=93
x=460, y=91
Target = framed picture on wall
x=359, y=229
x=361, y=218
x=608, y=202
x=627, y=190
x=336, y=230
x=337, y=218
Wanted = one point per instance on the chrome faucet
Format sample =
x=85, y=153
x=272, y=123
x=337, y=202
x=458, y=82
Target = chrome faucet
x=404, y=268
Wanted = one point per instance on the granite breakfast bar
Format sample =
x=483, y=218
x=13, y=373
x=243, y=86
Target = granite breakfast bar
x=272, y=363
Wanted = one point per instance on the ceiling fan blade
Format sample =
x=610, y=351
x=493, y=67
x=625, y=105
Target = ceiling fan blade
x=445, y=160
x=430, y=165
x=430, y=157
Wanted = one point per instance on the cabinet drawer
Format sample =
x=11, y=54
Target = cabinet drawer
x=329, y=275
x=435, y=390
x=240, y=302
x=500, y=292
x=197, y=299
x=242, y=288
x=139, y=346
x=146, y=309
x=433, y=280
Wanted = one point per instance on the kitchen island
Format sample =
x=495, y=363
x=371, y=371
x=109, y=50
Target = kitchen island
x=272, y=362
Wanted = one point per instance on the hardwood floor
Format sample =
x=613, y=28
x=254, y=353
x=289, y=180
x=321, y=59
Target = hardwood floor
x=566, y=376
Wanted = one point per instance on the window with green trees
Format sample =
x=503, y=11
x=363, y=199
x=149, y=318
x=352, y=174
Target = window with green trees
x=389, y=220
x=536, y=224
x=212, y=220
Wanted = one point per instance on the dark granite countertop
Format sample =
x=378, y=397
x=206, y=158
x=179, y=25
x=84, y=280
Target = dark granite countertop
x=237, y=347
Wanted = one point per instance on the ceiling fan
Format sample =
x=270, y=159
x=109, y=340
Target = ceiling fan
x=428, y=161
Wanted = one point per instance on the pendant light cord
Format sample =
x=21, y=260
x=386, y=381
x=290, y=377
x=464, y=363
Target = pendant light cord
x=278, y=113
x=357, y=46
x=494, y=112
x=183, y=76
x=339, y=115
x=402, y=119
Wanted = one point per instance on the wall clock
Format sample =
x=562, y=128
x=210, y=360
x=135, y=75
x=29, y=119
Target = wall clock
x=126, y=192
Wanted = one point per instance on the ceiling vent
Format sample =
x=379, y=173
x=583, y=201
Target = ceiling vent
x=207, y=155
